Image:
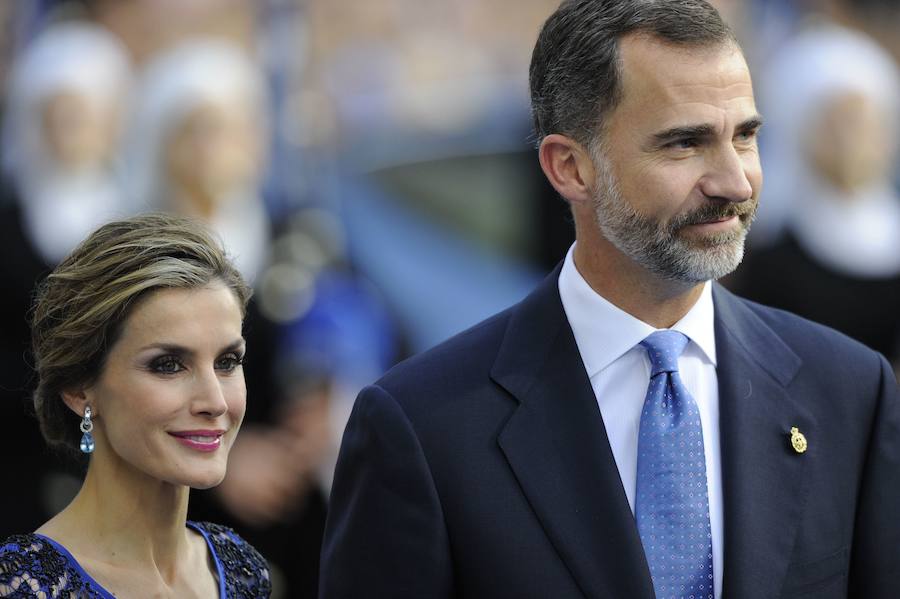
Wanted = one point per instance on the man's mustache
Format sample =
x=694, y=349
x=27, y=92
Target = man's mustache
x=714, y=212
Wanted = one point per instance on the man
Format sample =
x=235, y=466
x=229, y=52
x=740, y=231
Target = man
x=630, y=429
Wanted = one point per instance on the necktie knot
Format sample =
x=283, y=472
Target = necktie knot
x=663, y=349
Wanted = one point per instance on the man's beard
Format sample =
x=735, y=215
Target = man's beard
x=659, y=247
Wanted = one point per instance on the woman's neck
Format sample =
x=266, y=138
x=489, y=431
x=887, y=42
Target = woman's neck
x=125, y=517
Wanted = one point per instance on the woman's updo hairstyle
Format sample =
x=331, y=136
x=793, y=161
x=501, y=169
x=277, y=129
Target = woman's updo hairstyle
x=80, y=308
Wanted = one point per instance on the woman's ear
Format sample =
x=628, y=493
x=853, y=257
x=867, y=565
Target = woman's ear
x=568, y=167
x=77, y=400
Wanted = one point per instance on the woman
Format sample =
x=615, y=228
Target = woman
x=196, y=147
x=138, y=351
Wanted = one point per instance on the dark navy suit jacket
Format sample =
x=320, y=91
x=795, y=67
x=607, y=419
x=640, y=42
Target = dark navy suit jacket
x=481, y=468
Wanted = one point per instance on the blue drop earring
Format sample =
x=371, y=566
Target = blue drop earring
x=87, y=439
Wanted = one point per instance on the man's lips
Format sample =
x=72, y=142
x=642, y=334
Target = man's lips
x=710, y=215
x=201, y=440
x=716, y=221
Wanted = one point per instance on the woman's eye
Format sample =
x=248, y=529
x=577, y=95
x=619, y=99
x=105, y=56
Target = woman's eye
x=167, y=365
x=229, y=362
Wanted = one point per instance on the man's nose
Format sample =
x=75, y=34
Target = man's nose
x=727, y=177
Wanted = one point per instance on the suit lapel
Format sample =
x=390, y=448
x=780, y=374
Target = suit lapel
x=764, y=479
x=557, y=447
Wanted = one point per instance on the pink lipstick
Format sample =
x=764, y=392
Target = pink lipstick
x=200, y=440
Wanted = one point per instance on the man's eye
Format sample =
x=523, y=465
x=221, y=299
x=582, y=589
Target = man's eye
x=746, y=135
x=167, y=365
x=683, y=144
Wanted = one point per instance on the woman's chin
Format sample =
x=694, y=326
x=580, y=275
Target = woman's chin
x=203, y=483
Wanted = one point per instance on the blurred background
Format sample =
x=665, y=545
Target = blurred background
x=370, y=166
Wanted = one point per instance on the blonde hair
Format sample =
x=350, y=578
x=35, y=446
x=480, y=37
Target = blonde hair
x=80, y=308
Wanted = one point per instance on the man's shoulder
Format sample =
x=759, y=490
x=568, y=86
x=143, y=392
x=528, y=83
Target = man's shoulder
x=810, y=340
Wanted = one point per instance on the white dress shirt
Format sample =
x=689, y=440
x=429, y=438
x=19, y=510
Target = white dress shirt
x=619, y=370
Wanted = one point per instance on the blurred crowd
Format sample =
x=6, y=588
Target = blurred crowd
x=826, y=244
x=370, y=167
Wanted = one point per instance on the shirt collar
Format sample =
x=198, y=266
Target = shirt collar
x=604, y=332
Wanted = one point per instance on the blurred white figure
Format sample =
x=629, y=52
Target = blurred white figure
x=832, y=105
x=67, y=95
x=196, y=144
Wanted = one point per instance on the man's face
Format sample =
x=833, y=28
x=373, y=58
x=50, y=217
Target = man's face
x=679, y=176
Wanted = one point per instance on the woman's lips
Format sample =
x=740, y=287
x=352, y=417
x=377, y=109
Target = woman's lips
x=201, y=440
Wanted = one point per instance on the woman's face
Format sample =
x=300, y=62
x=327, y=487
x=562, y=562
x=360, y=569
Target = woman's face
x=171, y=396
x=79, y=131
x=214, y=150
x=849, y=142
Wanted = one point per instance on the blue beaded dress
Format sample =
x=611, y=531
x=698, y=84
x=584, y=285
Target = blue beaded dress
x=33, y=565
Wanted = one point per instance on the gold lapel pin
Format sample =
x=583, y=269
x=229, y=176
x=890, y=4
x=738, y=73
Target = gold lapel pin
x=798, y=441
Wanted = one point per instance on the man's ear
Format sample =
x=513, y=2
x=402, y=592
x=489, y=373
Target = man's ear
x=568, y=167
x=77, y=400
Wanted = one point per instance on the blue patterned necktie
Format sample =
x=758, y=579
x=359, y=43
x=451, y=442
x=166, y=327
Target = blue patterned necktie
x=671, y=504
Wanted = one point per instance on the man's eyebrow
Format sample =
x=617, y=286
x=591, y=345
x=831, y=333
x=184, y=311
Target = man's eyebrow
x=706, y=130
x=751, y=124
x=683, y=132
